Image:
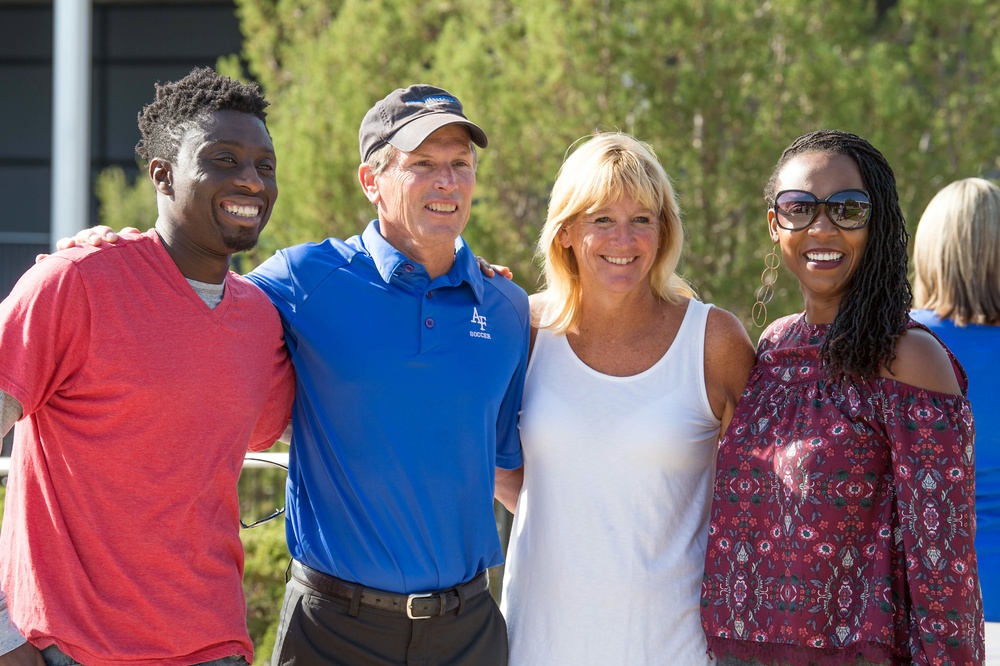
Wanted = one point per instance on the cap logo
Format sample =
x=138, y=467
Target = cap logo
x=435, y=100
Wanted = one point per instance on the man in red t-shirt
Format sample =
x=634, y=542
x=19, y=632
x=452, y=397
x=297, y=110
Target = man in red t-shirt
x=140, y=375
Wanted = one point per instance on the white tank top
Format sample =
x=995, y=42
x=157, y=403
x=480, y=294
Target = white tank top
x=607, y=549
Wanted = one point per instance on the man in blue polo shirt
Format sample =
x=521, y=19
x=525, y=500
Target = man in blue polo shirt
x=409, y=366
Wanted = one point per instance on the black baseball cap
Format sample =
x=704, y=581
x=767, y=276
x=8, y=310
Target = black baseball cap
x=407, y=116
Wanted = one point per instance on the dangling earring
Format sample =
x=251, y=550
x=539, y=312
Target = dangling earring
x=766, y=292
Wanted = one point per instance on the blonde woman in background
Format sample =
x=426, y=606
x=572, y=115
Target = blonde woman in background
x=630, y=383
x=956, y=258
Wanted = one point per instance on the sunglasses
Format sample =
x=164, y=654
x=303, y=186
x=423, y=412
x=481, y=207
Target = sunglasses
x=797, y=209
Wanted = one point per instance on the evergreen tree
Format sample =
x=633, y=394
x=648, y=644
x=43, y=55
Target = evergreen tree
x=717, y=87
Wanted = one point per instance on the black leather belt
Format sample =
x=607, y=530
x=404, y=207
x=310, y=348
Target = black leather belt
x=416, y=606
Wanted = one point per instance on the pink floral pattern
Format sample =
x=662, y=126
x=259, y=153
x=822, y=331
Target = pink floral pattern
x=843, y=518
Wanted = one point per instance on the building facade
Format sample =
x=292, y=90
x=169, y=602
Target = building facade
x=134, y=44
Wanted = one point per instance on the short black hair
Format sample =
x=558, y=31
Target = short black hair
x=177, y=104
x=875, y=309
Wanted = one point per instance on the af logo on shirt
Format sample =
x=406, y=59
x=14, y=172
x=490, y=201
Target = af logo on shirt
x=480, y=321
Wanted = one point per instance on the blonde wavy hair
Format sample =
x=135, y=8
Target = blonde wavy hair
x=602, y=170
x=956, y=254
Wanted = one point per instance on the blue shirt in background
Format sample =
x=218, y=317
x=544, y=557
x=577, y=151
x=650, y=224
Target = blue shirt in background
x=407, y=397
x=977, y=348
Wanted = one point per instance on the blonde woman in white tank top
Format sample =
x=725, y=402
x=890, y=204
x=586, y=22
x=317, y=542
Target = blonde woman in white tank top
x=630, y=384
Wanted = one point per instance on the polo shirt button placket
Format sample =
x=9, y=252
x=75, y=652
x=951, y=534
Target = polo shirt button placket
x=427, y=337
x=428, y=310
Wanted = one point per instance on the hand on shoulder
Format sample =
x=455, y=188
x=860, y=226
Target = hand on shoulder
x=94, y=236
x=489, y=270
x=922, y=362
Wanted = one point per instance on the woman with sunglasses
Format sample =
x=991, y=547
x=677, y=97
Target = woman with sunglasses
x=843, y=514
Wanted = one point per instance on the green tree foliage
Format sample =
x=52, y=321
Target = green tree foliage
x=125, y=204
x=264, y=584
x=717, y=87
x=262, y=492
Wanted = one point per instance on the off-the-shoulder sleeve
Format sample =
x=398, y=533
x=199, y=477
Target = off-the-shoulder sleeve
x=932, y=436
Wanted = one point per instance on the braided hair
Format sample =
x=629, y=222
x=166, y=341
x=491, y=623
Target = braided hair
x=179, y=104
x=873, y=313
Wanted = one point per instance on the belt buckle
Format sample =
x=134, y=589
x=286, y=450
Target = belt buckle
x=409, y=606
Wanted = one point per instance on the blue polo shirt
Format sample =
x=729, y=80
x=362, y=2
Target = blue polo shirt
x=407, y=396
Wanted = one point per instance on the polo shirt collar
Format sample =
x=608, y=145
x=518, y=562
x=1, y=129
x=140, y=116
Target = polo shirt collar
x=389, y=261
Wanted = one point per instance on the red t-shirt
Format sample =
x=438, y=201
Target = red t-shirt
x=120, y=538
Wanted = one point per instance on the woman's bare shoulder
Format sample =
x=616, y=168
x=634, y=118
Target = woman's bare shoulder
x=725, y=334
x=922, y=362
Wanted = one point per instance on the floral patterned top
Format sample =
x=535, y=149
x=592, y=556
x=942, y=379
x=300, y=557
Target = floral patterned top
x=843, y=518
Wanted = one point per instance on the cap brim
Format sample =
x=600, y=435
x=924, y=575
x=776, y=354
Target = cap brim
x=413, y=133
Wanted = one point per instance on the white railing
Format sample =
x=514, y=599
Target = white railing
x=248, y=462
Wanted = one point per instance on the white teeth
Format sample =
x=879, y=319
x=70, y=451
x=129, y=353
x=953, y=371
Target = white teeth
x=242, y=211
x=824, y=256
x=620, y=261
x=443, y=208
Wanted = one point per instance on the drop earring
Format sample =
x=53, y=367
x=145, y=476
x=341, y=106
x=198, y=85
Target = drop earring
x=766, y=292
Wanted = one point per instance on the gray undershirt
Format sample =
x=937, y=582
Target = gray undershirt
x=210, y=293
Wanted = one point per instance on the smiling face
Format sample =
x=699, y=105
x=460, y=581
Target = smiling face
x=822, y=256
x=221, y=189
x=615, y=246
x=424, y=196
